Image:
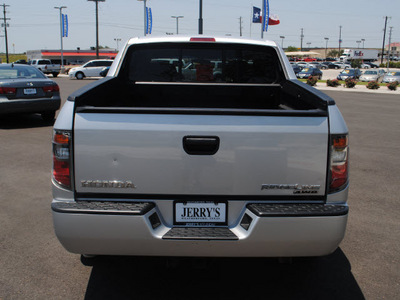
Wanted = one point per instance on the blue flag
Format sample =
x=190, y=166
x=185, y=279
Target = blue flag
x=149, y=20
x=64, y=25
x=266, y=15
x=256, y=15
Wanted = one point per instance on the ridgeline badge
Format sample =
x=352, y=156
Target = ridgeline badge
x=108, y=184
x=297, y=188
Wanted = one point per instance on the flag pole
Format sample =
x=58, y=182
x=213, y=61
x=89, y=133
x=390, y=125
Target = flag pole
x=263, y=19
x=251, y=16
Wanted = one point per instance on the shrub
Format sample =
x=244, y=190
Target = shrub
x=350, y=82
x=392, y=86
x=373, y=85
x=312, y=80
x=392, y=64
x=332, y=83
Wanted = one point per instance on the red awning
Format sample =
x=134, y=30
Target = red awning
x=80, y=53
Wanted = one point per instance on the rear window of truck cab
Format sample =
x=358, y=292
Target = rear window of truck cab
x=203, y=63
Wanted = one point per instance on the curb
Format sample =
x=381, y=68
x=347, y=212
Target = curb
x=357, y=89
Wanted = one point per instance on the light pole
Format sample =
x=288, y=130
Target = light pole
x=201, y=17
x=358, y=44
x=363, y=40
x=309, y=45
x=177, y=22
x=301, y=39
x=326, y=47
x=97, y=25
x=61, y=33
x=117, y=40
x=282, y=37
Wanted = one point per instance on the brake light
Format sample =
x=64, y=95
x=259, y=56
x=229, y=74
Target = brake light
x=51, y=88
x=62, y=158
x=197, y=39
x=339, y=172
x=8, y=90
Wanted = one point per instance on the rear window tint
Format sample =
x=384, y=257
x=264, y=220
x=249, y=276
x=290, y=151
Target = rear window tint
x=206, y=62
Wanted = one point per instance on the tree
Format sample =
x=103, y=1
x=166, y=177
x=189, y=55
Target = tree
x=335, y=53
x=292, y=49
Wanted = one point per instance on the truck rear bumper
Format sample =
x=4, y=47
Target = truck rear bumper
x=109, y=228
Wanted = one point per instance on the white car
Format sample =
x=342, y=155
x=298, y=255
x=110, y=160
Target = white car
x=90, y=69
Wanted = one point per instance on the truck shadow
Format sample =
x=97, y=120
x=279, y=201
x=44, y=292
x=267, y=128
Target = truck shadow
x=19, y=121
x=326, y=277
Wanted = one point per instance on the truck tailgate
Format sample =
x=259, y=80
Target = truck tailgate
x=146, y=154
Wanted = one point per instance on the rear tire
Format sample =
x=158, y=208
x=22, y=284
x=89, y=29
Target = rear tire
x=48, y=117
x=55, y=74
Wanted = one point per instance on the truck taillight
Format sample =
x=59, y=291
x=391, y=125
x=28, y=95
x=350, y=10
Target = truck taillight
x=62, y=158
x=339, y=172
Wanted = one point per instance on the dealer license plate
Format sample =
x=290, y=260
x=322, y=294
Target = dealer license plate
x=30, y=91
x=200, y=212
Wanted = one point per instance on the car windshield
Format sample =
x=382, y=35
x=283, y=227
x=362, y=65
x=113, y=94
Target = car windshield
x=370, y=73
x=347, y=72
x=306, y=70
x=19, y=72
x=393, y=74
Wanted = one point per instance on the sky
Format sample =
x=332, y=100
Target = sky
x=35, y=25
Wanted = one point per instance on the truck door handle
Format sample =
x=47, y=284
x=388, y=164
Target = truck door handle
x=201, y=145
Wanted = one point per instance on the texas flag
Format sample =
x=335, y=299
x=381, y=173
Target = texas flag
x=256, y=15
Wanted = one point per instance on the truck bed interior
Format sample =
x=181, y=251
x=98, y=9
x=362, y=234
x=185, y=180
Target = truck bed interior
x=288, y=95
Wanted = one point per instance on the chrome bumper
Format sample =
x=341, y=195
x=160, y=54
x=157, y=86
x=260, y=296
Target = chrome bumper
x=261, y=230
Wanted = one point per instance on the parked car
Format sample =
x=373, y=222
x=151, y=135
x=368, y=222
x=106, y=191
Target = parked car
x=104, y=72
x=315, y=64
x=90, y=69
x=309, y=59
x=365, y=66
x=339, y=65
x=304, y=65
x=25, y=89
x=325, y=65
x=372, y=75
x=373, y=66
x=391, y=77
x=21, y=61
x=296, y=68
x=309, y=72
x=349, y=73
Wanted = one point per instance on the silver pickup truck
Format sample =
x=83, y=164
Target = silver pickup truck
x=251, y=162
x=46, y=66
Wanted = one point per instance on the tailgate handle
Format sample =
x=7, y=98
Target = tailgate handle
x=201, y=145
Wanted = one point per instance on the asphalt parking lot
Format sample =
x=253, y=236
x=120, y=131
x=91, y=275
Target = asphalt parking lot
x=33, y=264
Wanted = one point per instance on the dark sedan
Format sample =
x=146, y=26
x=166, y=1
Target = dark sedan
x=372, y=65
x=310, y=72
x=24, y=89
x=349, y=74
